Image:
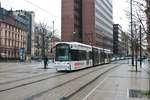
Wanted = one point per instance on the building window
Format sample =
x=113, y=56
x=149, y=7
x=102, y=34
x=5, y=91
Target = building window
x=5, y=33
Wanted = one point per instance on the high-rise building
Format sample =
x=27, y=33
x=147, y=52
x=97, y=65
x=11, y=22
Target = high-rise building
x=120, y=41
x=71, y=20
x=25, y=19
x=88, y=21
x=117, y=31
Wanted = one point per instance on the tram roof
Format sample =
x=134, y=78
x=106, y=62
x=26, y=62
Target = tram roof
x=84, y=45
x=77, y=45
x=107, y=50
x=97, y=47
x=74, y=43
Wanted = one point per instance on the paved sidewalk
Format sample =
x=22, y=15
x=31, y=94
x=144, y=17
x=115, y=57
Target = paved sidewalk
x=118, y=84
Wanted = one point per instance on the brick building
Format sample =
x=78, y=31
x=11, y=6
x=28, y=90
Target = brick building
x=88, y=21
x=13, y=35
x=12, y=39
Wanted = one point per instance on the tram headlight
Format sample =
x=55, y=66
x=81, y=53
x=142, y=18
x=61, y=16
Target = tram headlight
x=69, y=65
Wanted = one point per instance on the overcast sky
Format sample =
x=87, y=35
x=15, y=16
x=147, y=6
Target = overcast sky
x=53, y=10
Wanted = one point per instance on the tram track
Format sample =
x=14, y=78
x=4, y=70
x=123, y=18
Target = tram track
x=5, y=65
x=28, y=83
x=12, y=65
x=26, y=78
x=16, y=68
x=11, y=70
x=69, y=81
x=68, y=96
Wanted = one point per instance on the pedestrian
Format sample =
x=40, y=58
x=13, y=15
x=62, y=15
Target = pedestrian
x=45, y=62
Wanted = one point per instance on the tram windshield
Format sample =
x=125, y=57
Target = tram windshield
x=62, y=52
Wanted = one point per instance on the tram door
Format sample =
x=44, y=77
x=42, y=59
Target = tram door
x=102, y=57
x=95, y=56
x=87, y=58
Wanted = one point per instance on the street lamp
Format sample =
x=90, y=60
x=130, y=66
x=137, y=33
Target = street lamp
x=132, y=49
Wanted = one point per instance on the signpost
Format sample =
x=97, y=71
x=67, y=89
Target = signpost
x=22, y=54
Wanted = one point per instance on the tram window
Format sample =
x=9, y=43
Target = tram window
x=82, y=55
x=62, y=53
x=74, y=55
x=105, y=56
x=77, y=55
x=102, y=54
x=90, y=54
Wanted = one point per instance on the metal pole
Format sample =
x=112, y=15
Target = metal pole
x=53, y=28
x=53, y=35
x=128, y=50
x=52, y=40
x=140, y=48
x=136, y=51
x=132, y=48
x=136, y=46
x=43, y=43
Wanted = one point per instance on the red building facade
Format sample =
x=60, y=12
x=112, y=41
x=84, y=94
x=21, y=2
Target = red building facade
x=12, y=39
x=88, y=21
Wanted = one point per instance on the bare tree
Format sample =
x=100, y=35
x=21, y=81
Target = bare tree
x=43, y=35
x=139, y=27
x=139, y=14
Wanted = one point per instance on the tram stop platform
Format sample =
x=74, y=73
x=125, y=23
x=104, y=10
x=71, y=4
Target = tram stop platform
x=123, y=84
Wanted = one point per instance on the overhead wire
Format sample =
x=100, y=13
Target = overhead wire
x=41, y=8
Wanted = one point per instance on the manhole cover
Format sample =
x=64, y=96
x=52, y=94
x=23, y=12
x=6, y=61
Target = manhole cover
x=134, y=71
x=133, y=93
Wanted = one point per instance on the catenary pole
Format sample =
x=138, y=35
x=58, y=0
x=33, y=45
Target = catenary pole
x=140, y=47
x=132, y=48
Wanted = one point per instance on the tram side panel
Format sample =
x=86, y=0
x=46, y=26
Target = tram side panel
x=72, y=59
x=106, y=58
x=82, y=60
x=99, y=56
x=95, y=56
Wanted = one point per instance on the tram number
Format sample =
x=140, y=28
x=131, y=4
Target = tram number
x=78, y=64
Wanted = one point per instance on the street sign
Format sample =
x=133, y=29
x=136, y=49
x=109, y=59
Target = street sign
x=22, y=54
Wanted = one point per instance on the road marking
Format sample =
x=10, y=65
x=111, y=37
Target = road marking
x=94, y=89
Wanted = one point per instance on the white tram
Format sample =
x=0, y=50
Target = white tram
x=73, y=56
